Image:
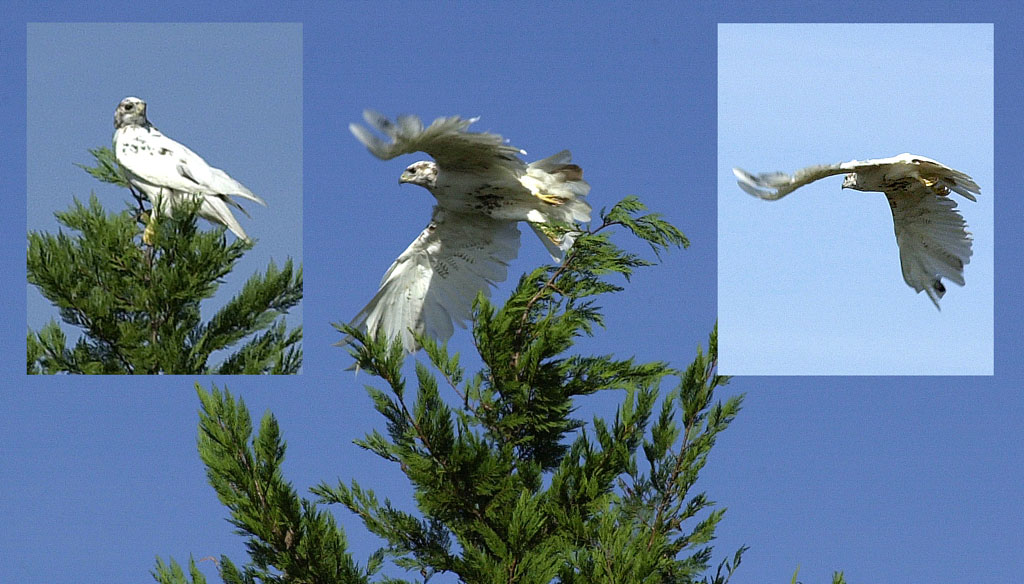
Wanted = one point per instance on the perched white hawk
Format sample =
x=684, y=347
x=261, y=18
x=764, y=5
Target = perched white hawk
x=931, y=234
x=482, y=189
x=168, y=173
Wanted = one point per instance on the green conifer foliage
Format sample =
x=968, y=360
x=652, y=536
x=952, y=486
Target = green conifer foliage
x=138, y=305
x=509, y=486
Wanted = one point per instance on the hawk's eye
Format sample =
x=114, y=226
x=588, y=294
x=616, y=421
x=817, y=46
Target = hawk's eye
x=127, y=107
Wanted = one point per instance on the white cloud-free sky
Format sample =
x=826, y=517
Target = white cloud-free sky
x=811, y=284
x=892, y=479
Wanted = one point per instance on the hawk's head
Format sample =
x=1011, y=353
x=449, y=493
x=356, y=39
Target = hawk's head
x=850, y=182
x=130, y=112
x=422, y=173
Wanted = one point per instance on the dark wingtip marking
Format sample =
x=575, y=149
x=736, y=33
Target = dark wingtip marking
x=571, y=172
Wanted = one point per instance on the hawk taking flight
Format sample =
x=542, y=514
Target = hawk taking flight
x=483, y=189
x=932, y=236
x=168, y=173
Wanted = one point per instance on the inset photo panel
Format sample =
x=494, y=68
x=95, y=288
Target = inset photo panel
x=855, y=199
x=164, y=195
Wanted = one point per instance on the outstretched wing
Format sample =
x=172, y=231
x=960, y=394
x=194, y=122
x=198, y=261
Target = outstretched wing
x=163, y=162
x=432, y=285
x=775, y=185
x=932, y=236
x=446, y=139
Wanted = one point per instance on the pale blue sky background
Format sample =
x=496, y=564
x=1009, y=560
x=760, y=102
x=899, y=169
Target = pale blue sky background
x=811, y=284
x=232, y=93
x=892, y=479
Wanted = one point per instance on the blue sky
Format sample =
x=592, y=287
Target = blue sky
x=891, y=479
x=811, y=284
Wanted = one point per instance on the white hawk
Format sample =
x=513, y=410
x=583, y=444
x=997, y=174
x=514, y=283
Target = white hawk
x=932, y=236
x=168, y=173
x=482, y=189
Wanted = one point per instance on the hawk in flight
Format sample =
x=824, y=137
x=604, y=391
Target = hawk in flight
x=168, y=173
x=483, y=189
x=932, y=236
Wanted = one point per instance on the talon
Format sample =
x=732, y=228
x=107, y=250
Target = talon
x=149, y=232
x=935, y=185
x=551, y=200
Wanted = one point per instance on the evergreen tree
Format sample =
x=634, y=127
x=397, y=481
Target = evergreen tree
x=138, y=304
x=509, y=487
